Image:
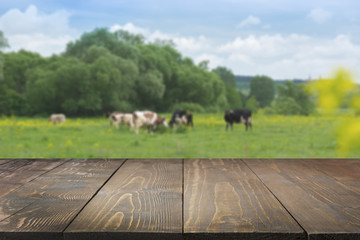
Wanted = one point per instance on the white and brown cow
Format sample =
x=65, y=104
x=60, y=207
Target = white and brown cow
x=148, y=119
x=57, y=118
x=125, y=118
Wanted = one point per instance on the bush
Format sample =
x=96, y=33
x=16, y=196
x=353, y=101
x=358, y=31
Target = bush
x=214, y=109
x=161, y=129
x=267, y=111
x=287, y=106
x=190, y=107
x=181, y=129
x=252, y=104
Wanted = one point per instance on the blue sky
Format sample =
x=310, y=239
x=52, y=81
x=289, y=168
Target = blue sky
x=279, y=38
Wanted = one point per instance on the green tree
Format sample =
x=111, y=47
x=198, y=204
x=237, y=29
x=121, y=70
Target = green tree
x=198, y=86
x=204, y=65
x=3, y=41
x=293, y=99
x=232, y=94
x=12, y=103
x=3, y=44
x=167, y=61
x=104, y=71
x=19, y=65
x=150, y=88
x=252, y=104
x=287, y=106
x=134, y=39
x=41, y=92
x=263, y=89
x=99, y=37
x=226, y=76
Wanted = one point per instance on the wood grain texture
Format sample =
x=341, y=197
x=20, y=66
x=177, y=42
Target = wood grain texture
x=48, y=204
x=14, y=173
x=345, y=171
x=2, y=161
x=225, y=196
x=144, y=196
x=323, y=206
x=145, y=199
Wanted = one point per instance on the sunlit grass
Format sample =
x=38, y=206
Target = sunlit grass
x=271, y=137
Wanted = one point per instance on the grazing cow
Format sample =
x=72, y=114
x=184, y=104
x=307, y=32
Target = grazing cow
x=180, y=117
x=57, y=118
x=109, y=116
x=238, y=116
x=126, y=118
x=148, y=119
x=189, y=120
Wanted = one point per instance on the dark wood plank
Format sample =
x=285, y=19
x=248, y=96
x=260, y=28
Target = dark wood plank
x=14, y=164
x=17, y=172
x=143, y=198
x=47, y=205
x=320, y=203
x=2, y=161
x=223, y=196
x=345, y=171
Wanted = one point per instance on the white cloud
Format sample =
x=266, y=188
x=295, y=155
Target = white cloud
x=251, y=20
x=192, y=44
x=40, y=43
x=319, y=15
x=36, y=31
x=214, y=60
x=130, y=28
x=293, y=56
x=276, y=55
x=186, y=45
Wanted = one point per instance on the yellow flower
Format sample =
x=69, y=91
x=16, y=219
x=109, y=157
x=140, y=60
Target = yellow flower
x=331, y=92
x=68, y=143
x=349, y=137
x=355, y=103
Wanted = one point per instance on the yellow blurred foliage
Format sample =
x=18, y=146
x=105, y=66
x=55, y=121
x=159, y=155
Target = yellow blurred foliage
x=333, y=93
x=355, y=103
x=348, y=137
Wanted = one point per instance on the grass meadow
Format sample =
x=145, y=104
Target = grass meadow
x=271, y=137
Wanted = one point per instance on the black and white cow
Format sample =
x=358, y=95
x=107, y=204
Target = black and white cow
x=180, y=117
x=238, y=116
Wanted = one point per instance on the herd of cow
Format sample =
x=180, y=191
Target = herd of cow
x=151, y=120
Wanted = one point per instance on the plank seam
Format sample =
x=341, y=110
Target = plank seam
x=48, y=171
x=29, y=182
x=92, y=197
x=307, y=234
x=35, y=200
x=35, y=177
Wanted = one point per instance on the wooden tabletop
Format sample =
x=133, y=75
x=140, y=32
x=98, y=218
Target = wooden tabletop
x=179, y=199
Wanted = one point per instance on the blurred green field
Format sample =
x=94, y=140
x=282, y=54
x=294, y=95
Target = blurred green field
x=271, y=137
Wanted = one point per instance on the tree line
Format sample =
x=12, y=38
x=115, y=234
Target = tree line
x=104, y=71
